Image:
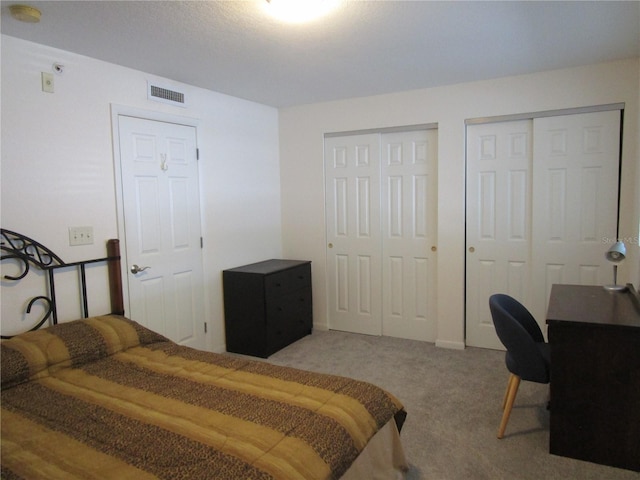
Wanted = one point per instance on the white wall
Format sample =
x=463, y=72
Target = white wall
x=57, y=165
x=301, y=163
x=57, y=162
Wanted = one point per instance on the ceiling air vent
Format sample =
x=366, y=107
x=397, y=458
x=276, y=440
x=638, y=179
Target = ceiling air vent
x=164, y=95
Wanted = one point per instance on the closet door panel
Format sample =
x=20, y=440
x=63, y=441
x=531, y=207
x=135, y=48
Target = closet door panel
x=352, y=172
x=576, y=171
x=409, y=209
x=498, y=222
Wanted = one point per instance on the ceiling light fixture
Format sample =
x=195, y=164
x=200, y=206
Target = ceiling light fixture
x=300, y=11
x=25, y=13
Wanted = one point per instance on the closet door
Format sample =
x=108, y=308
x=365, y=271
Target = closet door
x=577, y=163
x=498, y=259
x=381, y=206
x=409, y=210
x=542, y=198
x=352, y=175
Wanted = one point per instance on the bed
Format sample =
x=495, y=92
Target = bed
x=105, y=397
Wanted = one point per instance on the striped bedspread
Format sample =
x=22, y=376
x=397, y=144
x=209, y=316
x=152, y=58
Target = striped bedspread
x=107, y=398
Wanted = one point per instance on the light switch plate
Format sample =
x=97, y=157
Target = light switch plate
x=80, y=236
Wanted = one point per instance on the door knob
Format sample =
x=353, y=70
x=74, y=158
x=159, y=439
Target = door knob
x=136, y=269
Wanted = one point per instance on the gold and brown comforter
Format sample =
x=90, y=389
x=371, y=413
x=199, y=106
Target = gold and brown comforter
x=106, y=397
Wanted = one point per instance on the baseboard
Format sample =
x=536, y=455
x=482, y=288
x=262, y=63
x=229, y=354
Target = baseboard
x=450, y=345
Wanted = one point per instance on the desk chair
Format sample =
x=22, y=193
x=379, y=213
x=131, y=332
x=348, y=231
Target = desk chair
x=527, y=357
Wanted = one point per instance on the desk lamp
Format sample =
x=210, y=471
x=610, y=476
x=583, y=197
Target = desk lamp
x=615, y=255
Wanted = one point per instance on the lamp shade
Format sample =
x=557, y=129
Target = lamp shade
x=616, y=253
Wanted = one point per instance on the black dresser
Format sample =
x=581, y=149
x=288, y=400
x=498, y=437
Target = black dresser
x=267, y=306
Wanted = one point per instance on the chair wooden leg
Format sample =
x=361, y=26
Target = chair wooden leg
x=509, y=398
x=506, y=392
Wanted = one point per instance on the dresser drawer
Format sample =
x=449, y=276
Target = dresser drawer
x=282, y=334
x=282, y=331
x=287, y=281
x=289, y=306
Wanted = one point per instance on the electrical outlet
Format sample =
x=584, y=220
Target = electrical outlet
x=47, y=82
x=80, y=236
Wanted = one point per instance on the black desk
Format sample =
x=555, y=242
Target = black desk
x=595, y=375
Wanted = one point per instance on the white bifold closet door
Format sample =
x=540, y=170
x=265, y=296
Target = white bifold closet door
x=381, y=232
x=542, y=198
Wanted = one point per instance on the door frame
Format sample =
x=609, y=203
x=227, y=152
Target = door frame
x=127, y=111
x=531, y=116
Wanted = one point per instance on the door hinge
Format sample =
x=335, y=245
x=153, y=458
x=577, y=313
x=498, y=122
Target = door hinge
x=205, y=327
x=197, y=154
x=201, y=243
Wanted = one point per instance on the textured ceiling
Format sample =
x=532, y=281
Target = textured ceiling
x=363, y=48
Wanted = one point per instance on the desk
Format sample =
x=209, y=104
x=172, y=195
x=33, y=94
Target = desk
x=595, y=375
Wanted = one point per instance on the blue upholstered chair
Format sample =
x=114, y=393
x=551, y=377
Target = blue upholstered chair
x=527, y=357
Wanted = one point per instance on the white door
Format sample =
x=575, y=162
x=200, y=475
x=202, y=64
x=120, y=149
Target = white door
x=576, y=207
x=409, y=209
x=161, y=201
x=353, y=233
x=499, y=158
x=542, y=195
x=381, y=214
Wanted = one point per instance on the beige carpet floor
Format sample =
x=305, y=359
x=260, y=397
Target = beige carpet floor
x=453, y=399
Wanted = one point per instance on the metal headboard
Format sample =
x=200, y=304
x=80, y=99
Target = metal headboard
x=29, y=252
